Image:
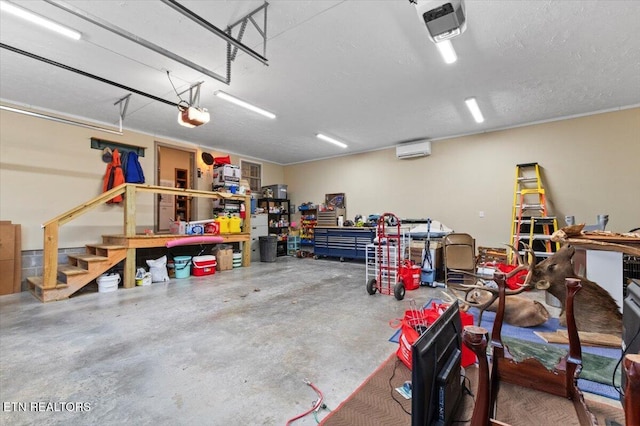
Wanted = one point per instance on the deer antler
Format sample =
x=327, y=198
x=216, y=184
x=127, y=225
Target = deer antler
x=472, y=291
x=523, y=265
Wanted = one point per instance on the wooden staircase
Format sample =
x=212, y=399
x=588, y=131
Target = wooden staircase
x=81, y=270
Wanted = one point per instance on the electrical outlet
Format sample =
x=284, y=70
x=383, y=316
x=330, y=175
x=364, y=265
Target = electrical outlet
x=481, y=213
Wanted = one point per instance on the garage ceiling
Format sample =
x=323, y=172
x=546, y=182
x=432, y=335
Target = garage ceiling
x=364, y=72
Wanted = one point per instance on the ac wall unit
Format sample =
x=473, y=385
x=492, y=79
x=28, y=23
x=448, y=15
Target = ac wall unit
x=413, y=149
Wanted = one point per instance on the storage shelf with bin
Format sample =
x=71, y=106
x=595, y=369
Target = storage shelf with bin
x=278, y=217
x=224, y=206
x=183, y=203
x=308, y=222
x=293, y=244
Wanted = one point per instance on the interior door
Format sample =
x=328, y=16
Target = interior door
x=169, y=159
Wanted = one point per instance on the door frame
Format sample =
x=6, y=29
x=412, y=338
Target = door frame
x=192, y=175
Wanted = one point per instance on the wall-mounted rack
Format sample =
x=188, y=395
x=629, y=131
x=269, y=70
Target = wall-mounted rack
x=101, y=144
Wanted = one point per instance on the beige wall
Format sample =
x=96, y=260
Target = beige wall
x=590, y=165
x=48, y=168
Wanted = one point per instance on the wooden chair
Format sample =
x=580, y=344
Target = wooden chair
x=530, y=373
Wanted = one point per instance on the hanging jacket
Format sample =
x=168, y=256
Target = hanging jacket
x=132, y=170
x=113, y=177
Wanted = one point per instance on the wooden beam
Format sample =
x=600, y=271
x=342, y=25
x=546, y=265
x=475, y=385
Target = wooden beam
x=130, y=269
x=50, y=256
x=161, y=240
x=130, y=211
x=189, y=192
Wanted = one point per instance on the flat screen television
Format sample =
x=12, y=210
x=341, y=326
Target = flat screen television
x=631, y=323
x=436, y=387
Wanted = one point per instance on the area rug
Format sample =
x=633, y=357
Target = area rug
x=599, y=363
x=375, y=402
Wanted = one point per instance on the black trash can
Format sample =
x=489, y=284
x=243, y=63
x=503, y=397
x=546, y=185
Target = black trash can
x=268, y=248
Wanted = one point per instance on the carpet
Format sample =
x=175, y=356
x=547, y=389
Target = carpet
x=599, y=363
x=373, y=403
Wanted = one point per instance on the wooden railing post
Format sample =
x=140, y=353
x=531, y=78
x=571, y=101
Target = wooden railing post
x=130, y=210
x=50, y=256
x=129, y=279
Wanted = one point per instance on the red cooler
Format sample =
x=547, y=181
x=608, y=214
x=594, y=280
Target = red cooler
x=203, y=265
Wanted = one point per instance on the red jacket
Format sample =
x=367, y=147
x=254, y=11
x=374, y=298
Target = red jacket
x=113, y=177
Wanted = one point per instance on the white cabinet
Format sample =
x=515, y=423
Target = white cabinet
x=259, y=228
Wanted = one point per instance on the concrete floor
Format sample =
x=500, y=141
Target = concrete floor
x=228, y=349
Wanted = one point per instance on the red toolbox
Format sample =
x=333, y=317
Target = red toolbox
x=203, y=265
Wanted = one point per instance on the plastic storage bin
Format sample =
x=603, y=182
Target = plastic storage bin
x=268, y=248
x=293, y=244
x=237, y=260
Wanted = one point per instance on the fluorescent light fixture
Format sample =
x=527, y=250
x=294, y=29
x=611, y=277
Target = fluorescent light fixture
x=38, y=20
x=475, y=109
x=331, y=140
x=447, y=51
x=244, y=104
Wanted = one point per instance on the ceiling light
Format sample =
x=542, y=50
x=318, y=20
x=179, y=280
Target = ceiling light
x=331, y=140
x=192, y=116
x=39, y=20
x=447, y=51
x=475, y=109
x=244, y=104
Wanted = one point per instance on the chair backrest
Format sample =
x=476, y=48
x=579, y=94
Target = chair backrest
x=459, y=252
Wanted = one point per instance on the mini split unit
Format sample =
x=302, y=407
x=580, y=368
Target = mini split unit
x=413, y=149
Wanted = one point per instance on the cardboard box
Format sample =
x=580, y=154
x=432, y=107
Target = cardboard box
x=224, y=259
x=178, y=227
x=416, y=252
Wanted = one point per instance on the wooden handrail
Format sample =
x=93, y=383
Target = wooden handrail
x=52, y=226
x=85, y=207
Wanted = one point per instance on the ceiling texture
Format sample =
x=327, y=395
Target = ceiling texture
x=364, y=72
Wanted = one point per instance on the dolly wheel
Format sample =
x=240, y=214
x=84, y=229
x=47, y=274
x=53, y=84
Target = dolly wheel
x=398, y=291
x=371, y=286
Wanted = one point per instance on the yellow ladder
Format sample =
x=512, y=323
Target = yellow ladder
x=531, y=223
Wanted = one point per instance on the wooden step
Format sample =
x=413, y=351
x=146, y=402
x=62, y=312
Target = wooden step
x=70, y=270
x=46, y=295
x=37, y=282
x=104, y=249
x=88, y=257
x=106, y=246
x=87, y=261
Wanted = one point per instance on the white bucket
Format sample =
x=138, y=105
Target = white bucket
x=108, y=283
